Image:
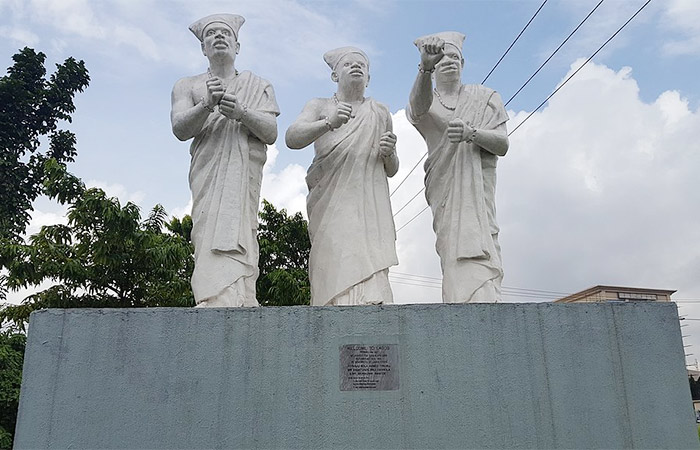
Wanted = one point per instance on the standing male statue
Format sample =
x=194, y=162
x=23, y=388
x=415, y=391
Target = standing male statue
x=350, y=221
x=464, y=127
x=231, y=116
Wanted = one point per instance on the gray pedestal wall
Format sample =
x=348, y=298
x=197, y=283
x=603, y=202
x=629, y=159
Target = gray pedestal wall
x=486, y=376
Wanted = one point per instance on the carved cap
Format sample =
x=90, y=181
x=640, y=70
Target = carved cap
x=232, y=20
x=332, y=57
x=454, y=38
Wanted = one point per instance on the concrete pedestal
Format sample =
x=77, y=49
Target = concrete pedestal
x=484, y=376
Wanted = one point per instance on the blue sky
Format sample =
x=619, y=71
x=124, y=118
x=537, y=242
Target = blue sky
x=599, y=187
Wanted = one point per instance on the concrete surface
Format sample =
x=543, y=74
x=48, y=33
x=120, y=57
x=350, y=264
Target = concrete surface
x=479, y=375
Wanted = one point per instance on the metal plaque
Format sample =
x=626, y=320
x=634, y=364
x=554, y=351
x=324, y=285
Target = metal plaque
x=369, y=367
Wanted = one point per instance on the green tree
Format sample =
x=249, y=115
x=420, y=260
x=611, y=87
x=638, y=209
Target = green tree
x=106, y=256
x=11, y=358
x=30, y=107
x=284, y=258
x=694, y=387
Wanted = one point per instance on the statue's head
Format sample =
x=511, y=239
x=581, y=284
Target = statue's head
x=348, y=65
x=451, y=65
x=218, y=34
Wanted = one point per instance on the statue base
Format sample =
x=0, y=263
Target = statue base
x=401, y=376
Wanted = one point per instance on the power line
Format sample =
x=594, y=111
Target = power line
x=521, y=88
x=554, y=53
x=415, y=284
x=407, y=175
x=514, y=41
x=582, y=66
x=408, y=202
x=399, y=277
x=417, y=276
x=423, y=278
x=487, y=76
x=555, y=91
x=412, y=218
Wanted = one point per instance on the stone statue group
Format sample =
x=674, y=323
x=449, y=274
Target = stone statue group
x=231, y=117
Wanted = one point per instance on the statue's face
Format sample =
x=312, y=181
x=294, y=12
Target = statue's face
x=352, y=68
x=219, y=39
x=450, y=66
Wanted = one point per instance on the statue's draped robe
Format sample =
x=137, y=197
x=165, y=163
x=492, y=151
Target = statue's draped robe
x=350, y=221
x=225, y=178
x=460, y=184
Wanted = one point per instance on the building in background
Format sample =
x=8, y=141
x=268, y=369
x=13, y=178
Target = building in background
x=617, y=294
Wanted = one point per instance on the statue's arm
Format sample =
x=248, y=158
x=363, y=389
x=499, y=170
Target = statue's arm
x=421, y=96
x=308, y=127
x=186, y=116
x=493, y=141
x=387, y=148
x=262, y=124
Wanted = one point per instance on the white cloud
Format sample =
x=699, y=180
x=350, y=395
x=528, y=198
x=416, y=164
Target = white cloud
x=286, y=188
x=40, y=219
x=597, y=188
x=20, y=35
x=604, y=22
x=180, y=212
x=69, y=16
x=16, y=297
x=415, y=243
x=302, y=33
x=119, y=191
x=682, y=17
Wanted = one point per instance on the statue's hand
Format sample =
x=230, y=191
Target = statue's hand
x=231, y=107
x=341, y=114
x=431, y=52
x=215, y=91
x=458, y=131
x=387, y=144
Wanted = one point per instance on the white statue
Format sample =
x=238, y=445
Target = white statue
x=464, y=127
x=231, y=116
x=350, y=221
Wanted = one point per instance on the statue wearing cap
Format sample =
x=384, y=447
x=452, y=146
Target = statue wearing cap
x=350, y=221
x=464, y=127
x=231, y=117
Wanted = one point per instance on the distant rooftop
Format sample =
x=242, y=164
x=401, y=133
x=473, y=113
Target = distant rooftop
x=603, y=293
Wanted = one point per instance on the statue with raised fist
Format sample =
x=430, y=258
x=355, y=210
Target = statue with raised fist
x=464, y=127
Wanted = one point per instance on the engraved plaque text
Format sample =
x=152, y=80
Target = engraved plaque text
x=369, y=367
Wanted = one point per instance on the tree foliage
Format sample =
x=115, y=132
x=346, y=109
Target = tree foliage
x=30, y=107
x=694, y=387
x=284, y=258
x=106, y=256
x=11, y=359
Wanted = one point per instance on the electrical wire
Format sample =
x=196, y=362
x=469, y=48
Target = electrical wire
x=515, y=40
x=408, y=174
x=554, y=53
x=412, y=218
x=487, y=76
x=521, y=87
x=408, y=202
x=581, y=67
x=507, y=290
x=549, y=97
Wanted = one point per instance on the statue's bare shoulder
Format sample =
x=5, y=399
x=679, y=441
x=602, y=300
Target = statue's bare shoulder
x=187, y=84
x=315, y=108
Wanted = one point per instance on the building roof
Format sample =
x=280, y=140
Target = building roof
x=602, y=288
